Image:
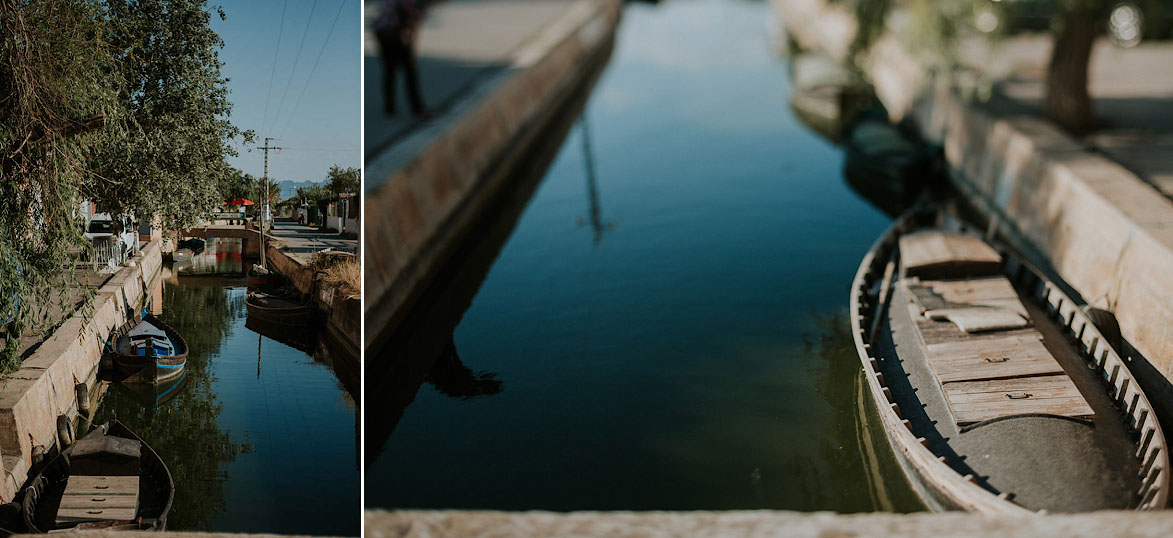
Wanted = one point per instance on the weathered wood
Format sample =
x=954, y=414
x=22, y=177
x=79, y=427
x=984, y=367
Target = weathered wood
x=98, y=498
x=935, y=252
x=975, y=401
x=991, y=358
x=109, y=485
x=979, y=319
x=73, y=516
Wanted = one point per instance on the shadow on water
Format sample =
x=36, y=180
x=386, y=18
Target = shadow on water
x=421, y=348
x=863, y=484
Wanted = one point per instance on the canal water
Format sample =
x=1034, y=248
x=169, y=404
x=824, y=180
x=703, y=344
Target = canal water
x=666, y=325
x=259, y=436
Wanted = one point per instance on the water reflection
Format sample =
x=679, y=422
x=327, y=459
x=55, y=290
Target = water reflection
x=185, y=430
x=593, y=203
x=247, y=454
x=220, y=256
x=421, y=348
x=837, y=378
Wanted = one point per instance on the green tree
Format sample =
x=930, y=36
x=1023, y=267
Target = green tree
x=316, y=195
x=118, y=101
x=239, y=185
x=343, y=180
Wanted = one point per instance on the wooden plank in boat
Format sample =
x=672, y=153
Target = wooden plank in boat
x=995, y=292
x=936, y=252
x=975, y=401
x=99, y=501
x=980, y=359
x=98, y=498
x=109, y=485
x=976, y=319
x=73, y=516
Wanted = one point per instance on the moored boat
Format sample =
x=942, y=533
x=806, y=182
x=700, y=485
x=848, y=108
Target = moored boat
x=147, y=350
x=110, y=479
x=257, y=277
x=996, y=391
x=276, y=310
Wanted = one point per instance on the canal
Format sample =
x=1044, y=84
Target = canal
x=259, y=436
x=662, y=325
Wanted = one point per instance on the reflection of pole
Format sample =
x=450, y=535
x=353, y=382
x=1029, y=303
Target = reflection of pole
x=259, y=356
x=592, y=186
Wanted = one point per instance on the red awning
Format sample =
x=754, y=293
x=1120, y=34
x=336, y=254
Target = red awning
x=240, y=201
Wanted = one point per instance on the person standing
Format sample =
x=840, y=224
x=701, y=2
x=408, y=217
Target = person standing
x=396, y=28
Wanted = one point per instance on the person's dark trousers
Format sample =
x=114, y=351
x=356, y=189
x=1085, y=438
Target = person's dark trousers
x=398, y=53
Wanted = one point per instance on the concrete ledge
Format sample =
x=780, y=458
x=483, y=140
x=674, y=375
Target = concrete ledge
x=413, y=212
x=759, y=524
x=34, y=396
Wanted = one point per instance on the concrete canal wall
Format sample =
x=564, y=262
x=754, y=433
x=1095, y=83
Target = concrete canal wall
x=415, y=212
x=44, y=387
x=1095, y=224
x=343, y=314
x=760, y=524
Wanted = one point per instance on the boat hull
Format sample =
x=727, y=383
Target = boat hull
x=41, y=498
x=298, y=316
x=940, y=486
x=147, y=369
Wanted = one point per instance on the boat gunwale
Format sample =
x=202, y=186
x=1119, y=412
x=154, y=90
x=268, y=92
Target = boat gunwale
x=300, y=314
x=964, y=491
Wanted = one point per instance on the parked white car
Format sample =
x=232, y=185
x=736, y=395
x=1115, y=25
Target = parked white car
x=100, y=231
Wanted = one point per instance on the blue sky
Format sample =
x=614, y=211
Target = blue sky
x=325, y=129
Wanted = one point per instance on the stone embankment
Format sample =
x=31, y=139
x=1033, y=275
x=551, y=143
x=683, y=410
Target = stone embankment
x=423, y=192
x=46, y=385
x=1074, y=211
x=760, y=524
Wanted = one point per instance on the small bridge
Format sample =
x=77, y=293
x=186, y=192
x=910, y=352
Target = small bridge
x=250, y=237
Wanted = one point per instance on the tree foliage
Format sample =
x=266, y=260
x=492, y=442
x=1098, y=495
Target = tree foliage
x=117, y=101
x=343, y=180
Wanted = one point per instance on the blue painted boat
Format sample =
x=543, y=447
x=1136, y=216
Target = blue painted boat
x=147, y=350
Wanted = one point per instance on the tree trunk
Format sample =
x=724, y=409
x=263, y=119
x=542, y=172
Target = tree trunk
x=1067, y=101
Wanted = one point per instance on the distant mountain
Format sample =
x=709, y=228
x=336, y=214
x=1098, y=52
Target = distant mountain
x=289, y=188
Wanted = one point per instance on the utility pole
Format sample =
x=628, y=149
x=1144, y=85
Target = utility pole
x=265, y=200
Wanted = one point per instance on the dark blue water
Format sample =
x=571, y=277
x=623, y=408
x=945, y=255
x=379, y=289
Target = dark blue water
x=259, y=436
x=665, y=328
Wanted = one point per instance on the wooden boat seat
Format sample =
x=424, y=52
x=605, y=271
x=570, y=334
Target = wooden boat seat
x=976, y=335
x=977, y=401
x=98, y=498
x=937, y=253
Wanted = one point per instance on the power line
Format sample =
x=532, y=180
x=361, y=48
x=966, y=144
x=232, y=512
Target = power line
x=273, y=72
x=301, y=94
x=296, y=58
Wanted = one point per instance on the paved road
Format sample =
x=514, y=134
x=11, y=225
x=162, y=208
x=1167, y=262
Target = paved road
x=462, y=43
x=305, y=240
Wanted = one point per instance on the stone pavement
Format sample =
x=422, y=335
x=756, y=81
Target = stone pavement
x=1132, y=92
x=302, y=241
x=462, y=43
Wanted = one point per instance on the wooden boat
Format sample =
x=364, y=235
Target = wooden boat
x=276, y=311
x=147, y=350
x=257, y=277
x=109, y=479
x=996, y=391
